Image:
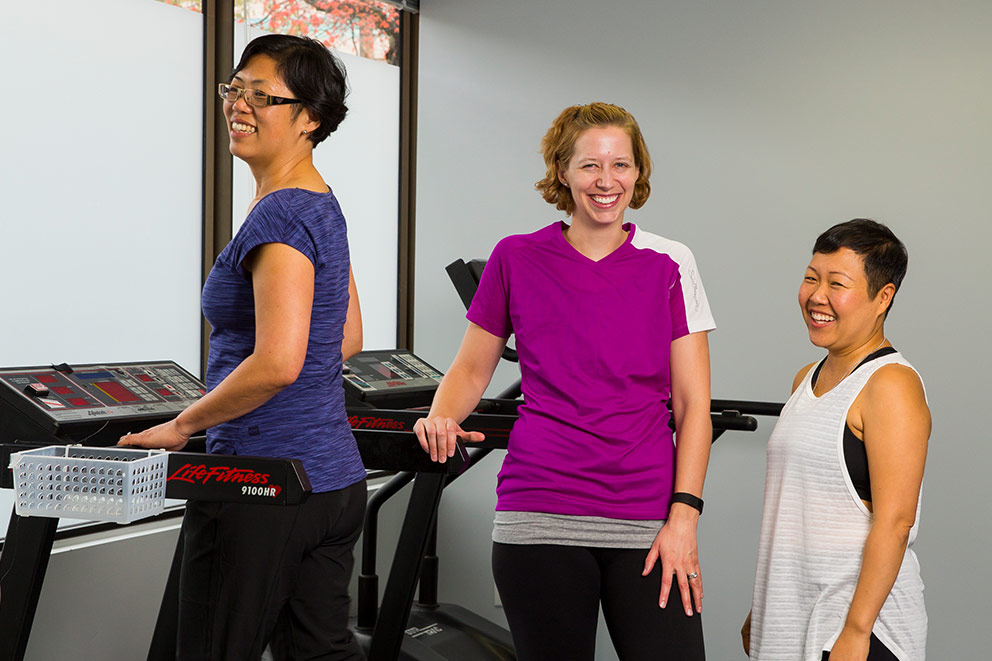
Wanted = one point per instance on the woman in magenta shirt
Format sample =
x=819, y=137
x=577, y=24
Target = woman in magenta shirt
x=596, y=503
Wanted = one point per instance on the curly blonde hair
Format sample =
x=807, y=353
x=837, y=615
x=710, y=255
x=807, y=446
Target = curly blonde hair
x=558, y=146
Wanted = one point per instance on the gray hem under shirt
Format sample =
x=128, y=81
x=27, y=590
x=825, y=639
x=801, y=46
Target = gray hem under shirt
x=574, y=530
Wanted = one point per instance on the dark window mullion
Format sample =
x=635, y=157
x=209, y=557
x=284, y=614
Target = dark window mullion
x=218, y=61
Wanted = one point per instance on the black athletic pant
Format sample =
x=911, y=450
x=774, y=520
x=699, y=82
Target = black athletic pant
x=551, y=595
x=255, y=573
x=876, y=652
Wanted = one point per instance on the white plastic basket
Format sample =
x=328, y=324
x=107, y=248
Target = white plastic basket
x=98, y=484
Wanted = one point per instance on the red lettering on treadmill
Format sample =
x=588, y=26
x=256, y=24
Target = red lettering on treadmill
x=375, y=422
x=202, y=474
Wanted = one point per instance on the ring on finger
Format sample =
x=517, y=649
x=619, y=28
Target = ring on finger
x=692, y=575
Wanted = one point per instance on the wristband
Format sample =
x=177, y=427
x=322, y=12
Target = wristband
x=688, y=499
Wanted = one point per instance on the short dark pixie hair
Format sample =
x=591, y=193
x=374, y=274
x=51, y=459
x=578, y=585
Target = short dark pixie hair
x=885, y=257
x=312, y=74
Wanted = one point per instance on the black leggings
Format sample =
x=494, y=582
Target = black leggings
x=876, y=652
x=252, y=573
x=551, y=595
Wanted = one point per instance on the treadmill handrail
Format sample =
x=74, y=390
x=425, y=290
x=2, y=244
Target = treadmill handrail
x=746, y=407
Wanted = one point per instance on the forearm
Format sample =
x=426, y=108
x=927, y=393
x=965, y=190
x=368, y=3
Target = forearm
x=693, y=439
x=676, y=543
x=458, y=394
x=691, y=411
x=884, y=551
x=251, y=384
x=692, y=453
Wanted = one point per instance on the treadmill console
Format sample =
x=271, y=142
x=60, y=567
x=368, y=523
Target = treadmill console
x=65, y=404
x=389, y=379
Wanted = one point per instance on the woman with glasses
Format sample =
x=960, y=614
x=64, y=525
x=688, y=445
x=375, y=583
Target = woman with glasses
x=597, y=506
x=837, y=577
x=284, y=313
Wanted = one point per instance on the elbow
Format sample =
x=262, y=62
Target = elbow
x=352, y=344
x=280, y=373
x=285, y=376
x=357, y=341
x=696, y=412
x=286, y=379
x=896, y=528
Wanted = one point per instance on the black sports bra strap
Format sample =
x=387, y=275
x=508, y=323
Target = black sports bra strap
x=855, y=455
x=878, y=353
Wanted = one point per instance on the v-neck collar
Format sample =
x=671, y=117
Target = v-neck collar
x=630, y=228
x=877, y=353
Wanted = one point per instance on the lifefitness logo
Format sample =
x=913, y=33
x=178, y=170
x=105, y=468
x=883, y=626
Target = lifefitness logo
x=374, y=422
x=253, y=483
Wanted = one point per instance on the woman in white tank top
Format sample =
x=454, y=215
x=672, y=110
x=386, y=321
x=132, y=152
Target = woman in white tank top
x=837, y=577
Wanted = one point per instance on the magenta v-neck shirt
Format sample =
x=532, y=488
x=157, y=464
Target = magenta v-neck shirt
x=594, y=341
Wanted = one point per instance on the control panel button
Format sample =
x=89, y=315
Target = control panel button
x=36, y=390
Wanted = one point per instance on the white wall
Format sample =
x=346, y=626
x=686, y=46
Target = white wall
x=768, y=122
x=100, y=601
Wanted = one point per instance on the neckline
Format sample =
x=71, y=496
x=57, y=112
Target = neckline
x=629, y=228
x=877, y=353
x=295, y=189
x=277, y=191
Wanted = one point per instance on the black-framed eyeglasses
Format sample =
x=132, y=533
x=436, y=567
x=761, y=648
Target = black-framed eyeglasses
x=255, y=98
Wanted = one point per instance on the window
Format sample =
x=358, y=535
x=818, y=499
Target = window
x=360, y=161
x=194, y=5
x=364, y=28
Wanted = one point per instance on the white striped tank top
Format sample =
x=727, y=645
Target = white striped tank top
x=813, y=533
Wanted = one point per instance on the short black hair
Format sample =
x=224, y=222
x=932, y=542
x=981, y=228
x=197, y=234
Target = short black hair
x=311, y=72
x=885, y=257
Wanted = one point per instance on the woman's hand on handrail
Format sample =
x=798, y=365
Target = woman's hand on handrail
x=439, y=436
x=459, y=393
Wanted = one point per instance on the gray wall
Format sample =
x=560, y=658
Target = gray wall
x=102, y=594
x=768, y=121
x=102, y=591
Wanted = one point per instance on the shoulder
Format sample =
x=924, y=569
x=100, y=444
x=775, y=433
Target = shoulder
x=544, y=235
x=677, y=251
x=893, y=384
x=275, y=202
x=894, y=399
x=514, y=243
x=298, y=204
x=801, y=375
x=309, y=221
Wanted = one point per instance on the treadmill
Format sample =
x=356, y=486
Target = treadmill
x=90, y=407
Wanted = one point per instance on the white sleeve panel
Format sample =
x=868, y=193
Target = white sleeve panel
x=697, y=307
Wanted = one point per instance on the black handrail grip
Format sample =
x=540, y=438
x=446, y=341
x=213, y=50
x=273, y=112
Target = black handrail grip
x=747, y=407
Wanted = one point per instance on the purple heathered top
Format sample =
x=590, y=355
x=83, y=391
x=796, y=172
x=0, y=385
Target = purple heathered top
x=594, y=341
x=307, y=419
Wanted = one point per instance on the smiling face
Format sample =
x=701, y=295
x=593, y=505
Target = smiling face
x=601, y=176
x=839, y=313
x=262, y=135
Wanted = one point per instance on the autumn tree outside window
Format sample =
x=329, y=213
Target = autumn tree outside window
x=360, y=27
